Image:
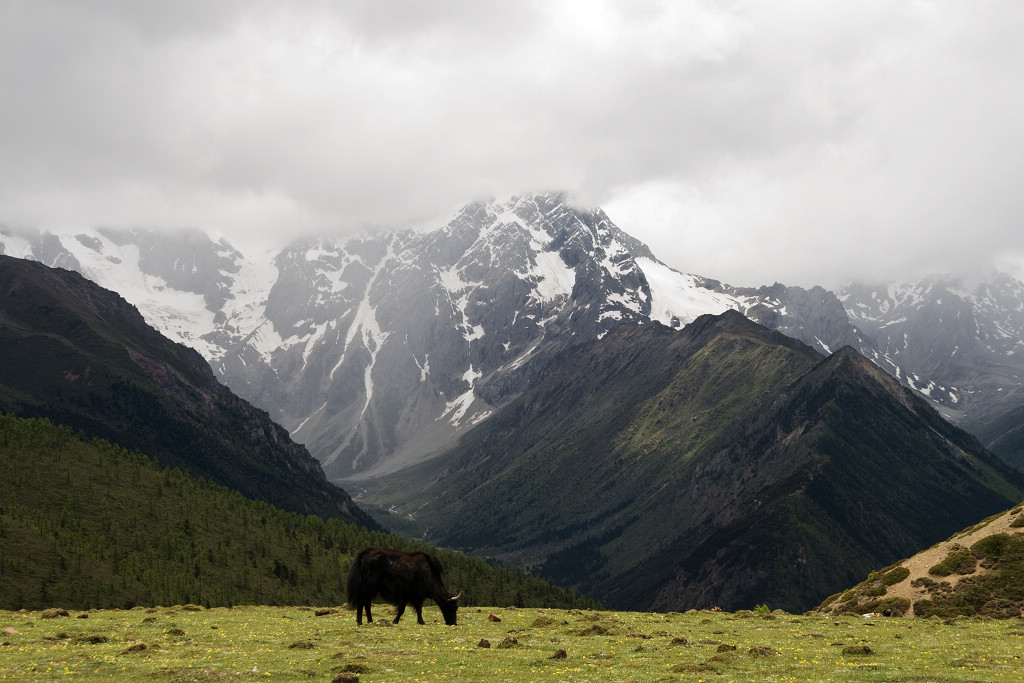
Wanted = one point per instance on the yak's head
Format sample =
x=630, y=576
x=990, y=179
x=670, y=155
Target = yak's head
x=448, y=609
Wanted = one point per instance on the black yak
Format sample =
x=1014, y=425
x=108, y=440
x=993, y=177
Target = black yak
x=400, y=578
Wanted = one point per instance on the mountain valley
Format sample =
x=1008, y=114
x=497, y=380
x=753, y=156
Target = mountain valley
x=719, y=465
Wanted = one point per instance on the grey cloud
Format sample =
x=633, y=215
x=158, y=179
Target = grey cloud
x=742, y=140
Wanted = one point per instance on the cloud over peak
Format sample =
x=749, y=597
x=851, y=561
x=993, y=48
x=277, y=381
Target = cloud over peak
x=748, y=141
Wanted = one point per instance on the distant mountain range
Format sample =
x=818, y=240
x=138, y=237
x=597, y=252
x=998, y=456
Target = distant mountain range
x=379, y=351
x=719, y=465
x=83, y=357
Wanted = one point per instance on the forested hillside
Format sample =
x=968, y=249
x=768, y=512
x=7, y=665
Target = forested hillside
x=87, y=524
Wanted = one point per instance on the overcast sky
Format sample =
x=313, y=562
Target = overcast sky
x=753, y=141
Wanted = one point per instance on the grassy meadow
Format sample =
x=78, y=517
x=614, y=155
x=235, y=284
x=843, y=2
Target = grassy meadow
x=190, y=643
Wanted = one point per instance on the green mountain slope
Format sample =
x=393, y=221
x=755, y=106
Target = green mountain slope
x=82, y=356
x=721, y=465
x=86, y=524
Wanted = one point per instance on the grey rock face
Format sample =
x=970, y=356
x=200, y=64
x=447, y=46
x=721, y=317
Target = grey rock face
x=188, y=261
x=403, y=341
x=814, y=316
x=958, y=344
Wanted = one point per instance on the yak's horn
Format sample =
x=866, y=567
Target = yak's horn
x=455, y=597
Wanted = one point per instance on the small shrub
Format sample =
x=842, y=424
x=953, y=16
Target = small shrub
x=894, y=576
x=1017, y=523
x=1000, y=608
x=991, y=547
x=875, y=591
x=960, y=560
x=53, y=613
x=597, y=630
x=509, y=642
x=354, y=668
x=925, y=608
x=762, y=609
x=892, y=607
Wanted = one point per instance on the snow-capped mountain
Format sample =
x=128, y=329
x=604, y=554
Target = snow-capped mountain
x=959, y=344
x=381, y=350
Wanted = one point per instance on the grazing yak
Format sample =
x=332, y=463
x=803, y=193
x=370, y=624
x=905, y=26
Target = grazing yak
x=400, y=578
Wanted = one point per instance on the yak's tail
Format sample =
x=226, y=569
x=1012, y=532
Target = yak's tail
x=355, y=581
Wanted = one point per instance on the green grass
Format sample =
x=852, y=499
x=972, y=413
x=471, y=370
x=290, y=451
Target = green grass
x=302, y=643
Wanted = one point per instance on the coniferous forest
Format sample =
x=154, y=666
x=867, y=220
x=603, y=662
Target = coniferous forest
x=87, y=524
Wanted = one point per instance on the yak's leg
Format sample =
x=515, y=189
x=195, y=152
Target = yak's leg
x=369, y=617
x=399, y=612
x=419, y=611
